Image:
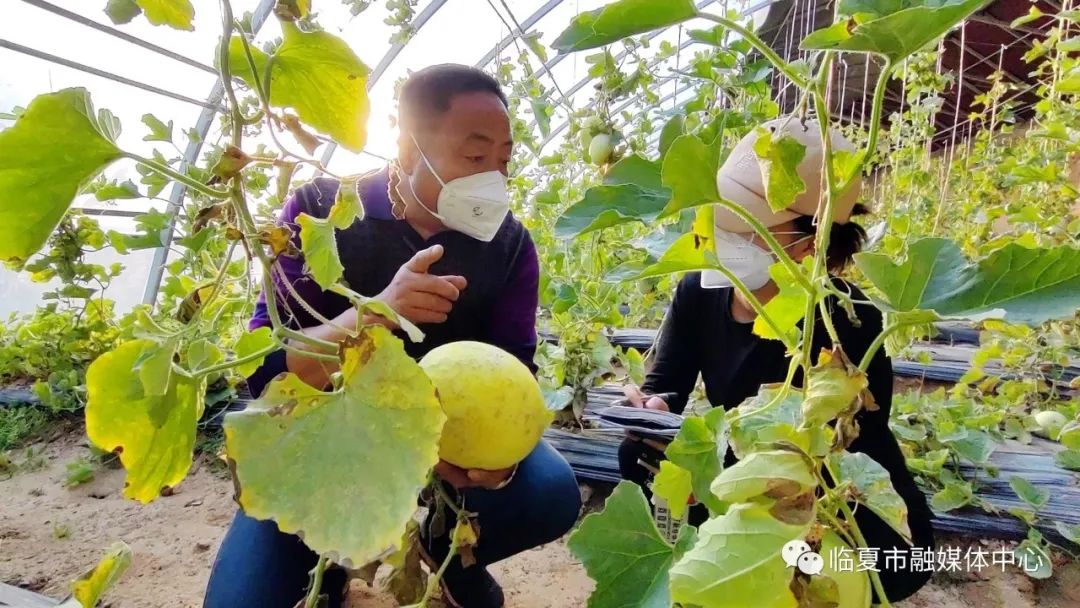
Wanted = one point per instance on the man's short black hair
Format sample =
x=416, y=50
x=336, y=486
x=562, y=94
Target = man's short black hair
x=427, y=93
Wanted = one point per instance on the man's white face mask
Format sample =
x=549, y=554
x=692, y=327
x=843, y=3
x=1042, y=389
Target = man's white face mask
x=743, y=259
x=475, y=205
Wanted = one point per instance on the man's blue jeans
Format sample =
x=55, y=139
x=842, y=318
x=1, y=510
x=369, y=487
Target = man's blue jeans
x=258, y=566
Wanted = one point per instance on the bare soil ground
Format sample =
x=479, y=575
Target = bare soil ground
x=50, y=534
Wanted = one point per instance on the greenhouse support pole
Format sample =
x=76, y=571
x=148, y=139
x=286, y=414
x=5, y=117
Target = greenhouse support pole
x=176, y=198
x=191, y=154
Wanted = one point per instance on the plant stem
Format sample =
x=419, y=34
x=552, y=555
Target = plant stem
x=855, y=538
x=825, y=218
x=236, y=128
x=219, y=280
x=275, y=316
x=875, y=121
x=312, y=600
x=756, y=305
x=868, y=356
x=770, y=240
x=837, y=525
x=440, y=491
x=793, y=366
x=235, y=362
x=309, y=353
x=758, y=44
x=187, y=180
x=276, y=267
x=433, y=581
x=806, y=358
x=875, y=578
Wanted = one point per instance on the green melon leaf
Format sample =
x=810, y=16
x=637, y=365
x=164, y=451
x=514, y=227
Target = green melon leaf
x=954, y=495
x=700, y=447
x=154, y=367
x=1070, y=532
x=637, y=170
x=310, y=460
x=634, y=362
x=319, y=245
x=250, y=343
x=159, y=131
x=624, y=553
x=1069, y=435
x=1027, y=492
x=155, y=435
x=871, y=486
x=1017, y=284
x=532, y=39
x=758, y=427
x=689, y=170
x=203, y=353
x=786, y=308
x=150, y=227
x=673, y=129
x=891, y=28
x=974, y=445
x=1032, y=557
x=347, y=207
x=737, y=561
x=111, y=191
x=833, y=387
x=691, y=251
x=779, y=162
x=122, y=11
x=177, y=14
x=318, y=75
x=607, y=206
x=380, y=308
x=89, y=588
x=684, y=255
x=55, y=146
x=542, y=112
x=672, y=484
x=620, y=19
x=773, y=474
x=1068, y=459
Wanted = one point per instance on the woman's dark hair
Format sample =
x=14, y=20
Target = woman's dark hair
x=427, y=93
x=844, y=242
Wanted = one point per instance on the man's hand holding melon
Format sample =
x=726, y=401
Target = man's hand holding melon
x=495, y=412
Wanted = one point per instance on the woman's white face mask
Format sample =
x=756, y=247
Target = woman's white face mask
x=475, y=205
x=742, y=258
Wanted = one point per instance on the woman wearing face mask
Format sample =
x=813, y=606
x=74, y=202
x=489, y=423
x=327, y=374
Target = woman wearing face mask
x=708, y=331
x=438, y=245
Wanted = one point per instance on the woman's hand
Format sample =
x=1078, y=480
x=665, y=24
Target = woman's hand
x=639, y=399
x=472, y=478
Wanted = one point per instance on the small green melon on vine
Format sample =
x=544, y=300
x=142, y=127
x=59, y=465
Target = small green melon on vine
x=1050, y=423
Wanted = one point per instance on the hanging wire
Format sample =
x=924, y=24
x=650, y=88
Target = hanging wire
x=25, y=50
x=843, y=84
x=865, y=92
x=111, y=31
x=521, y=32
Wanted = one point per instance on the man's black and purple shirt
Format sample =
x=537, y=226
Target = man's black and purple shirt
x=498, y=306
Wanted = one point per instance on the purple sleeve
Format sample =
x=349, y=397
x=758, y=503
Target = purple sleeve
x=291, y=270
x=513, y=326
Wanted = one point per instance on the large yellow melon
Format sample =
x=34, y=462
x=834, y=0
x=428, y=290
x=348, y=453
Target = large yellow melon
x=495, y=412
